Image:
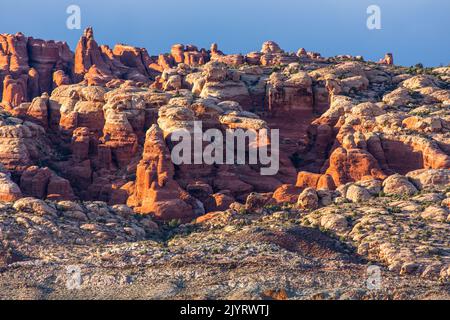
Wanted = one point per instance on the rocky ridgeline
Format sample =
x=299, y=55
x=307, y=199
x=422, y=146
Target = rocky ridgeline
x=85, y=150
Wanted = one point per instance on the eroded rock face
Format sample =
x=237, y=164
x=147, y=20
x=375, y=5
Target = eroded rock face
x=221, y=85
x=353, y=165
x=88, y=54
x=22, y=143
x=85, y=146
x=315, y=180
x=43, y=183
x=272, y=54
x=14, y=91
x=343, y=123
x=48, y=58
x=155, y=191
x=27, y=67
x=290, y=95
x=14, y=52
x=31, y=67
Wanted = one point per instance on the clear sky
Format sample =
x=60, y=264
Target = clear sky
x=413, y=30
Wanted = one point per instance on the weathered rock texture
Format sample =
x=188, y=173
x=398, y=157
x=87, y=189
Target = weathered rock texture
x=364, y=147
x=341, y=121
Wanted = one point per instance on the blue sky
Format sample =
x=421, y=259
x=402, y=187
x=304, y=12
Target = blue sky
x=414, y=30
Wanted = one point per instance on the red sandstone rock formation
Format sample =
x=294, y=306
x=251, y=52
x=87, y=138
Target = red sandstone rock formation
x=315, y=180
x=287, y=193
x=38, y=110
x=80, y=143
x=353, y=165
x=177, y=52
x=21, y=144
x=13, y=53
x=334, y=128
x=189, y=55
x=289, y=95
x=14, y=91
x=155, y=192
x=27, y=66
x=218, y=202
x=131, y=57
x=46, y=57
x=97, y=77
x=60, y=78
x=272, y=55
x=99, y=64
x=43, y=183
x=88, y=54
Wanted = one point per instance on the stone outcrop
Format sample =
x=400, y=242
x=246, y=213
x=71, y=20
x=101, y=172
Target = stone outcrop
x=78, y=124
x=22, y=143
x=315, y=180
x=155, y=191
x=43, y=183
x=87, y=175
x=88, y=54
x=289, y=95
x=353, y=165
x=27, y=67
x=86, y=163
x=9, y=191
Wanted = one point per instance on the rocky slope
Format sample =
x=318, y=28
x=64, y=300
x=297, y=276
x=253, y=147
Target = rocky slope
x=86, y=174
